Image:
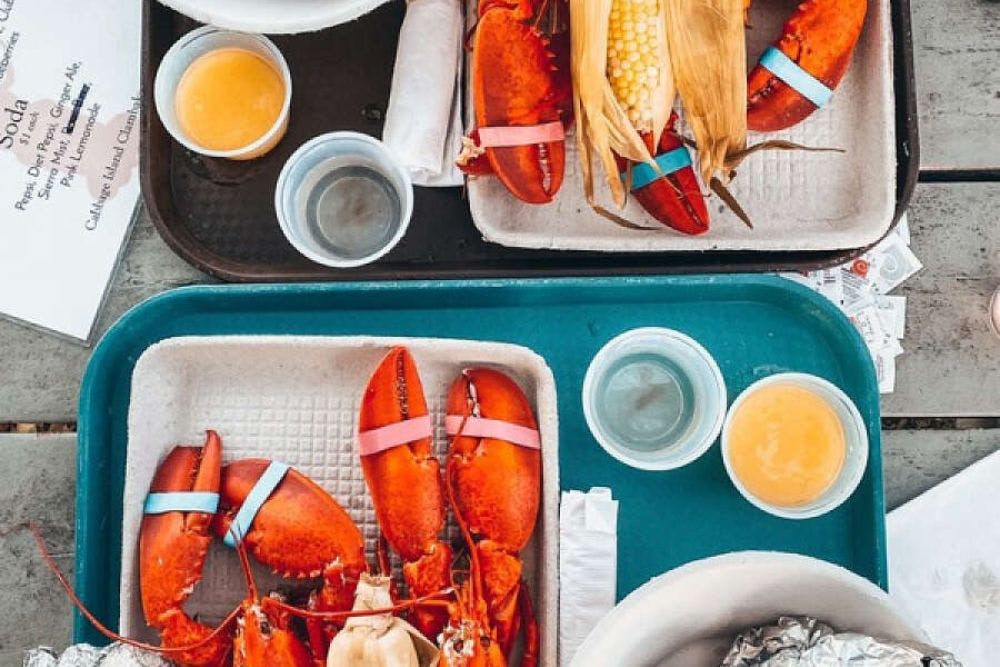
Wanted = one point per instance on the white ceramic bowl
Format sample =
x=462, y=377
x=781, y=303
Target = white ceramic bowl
x=855, y=435
x=273, y=16
x=189, y=48
x=353, y=148
x=689, y=616
x=704, y=414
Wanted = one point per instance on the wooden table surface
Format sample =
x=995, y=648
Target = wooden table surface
x=951, y=367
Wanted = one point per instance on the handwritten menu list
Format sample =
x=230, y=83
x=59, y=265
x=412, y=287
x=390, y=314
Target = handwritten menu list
x=69, y=133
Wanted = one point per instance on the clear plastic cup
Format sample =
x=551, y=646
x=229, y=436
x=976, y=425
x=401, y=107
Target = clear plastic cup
x=654, y=398
x=855, y=436
x=343, y=200
x=189, y=48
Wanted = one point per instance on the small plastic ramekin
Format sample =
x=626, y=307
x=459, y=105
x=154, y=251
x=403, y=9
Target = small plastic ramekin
x=313, y=154
x=708, y=407
x=189, y=48
x=855, y=437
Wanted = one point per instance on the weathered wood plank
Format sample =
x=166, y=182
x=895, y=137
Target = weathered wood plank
x=37, y=482
x=915, y=461
x=952, y=362
x=957, y=62
x=41, y=372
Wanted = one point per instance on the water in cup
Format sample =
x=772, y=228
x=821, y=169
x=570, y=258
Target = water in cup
x=349, y=207
x=647, y=401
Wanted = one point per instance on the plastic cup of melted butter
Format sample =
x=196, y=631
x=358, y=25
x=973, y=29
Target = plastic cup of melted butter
x=794, y=445
x=224, y=94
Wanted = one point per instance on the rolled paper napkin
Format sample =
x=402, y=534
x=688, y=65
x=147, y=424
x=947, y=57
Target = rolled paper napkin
x=588, y=564
x=423, y=122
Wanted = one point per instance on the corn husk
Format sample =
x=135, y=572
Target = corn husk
x=381, y=640
x=707, y=48
x=602, y=126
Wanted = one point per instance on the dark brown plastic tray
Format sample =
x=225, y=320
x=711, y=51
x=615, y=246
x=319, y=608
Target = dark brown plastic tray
x=219, y=215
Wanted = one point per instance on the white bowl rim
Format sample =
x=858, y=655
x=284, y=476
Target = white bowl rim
x=390, y=159
x=652, y=590
x=280, y=121
x=813, y=510
x=673, y=337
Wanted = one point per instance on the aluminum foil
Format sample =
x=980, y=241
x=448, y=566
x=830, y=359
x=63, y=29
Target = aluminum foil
x=85, y=655
x=806, y=642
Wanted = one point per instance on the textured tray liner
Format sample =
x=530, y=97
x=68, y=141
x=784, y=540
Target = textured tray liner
x=296, y=399
x=798, y=200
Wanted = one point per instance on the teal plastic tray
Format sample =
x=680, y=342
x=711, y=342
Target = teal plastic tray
x=754, y=326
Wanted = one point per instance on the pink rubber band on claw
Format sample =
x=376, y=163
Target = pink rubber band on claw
x=386, y=437
x=521, y=135
x=480, y=427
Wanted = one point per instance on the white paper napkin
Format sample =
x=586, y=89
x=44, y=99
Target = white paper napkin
x=588, y=564
x=422, y=124
x=944, y=562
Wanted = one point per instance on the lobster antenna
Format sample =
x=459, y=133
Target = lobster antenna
x=475, y=572
x=430, y=600
x=241, y=551
x=100, y=627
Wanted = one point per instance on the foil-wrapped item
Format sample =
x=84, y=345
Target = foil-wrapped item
x=807, y=642
x=85, y=655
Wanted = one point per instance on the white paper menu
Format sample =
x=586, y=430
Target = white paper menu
x=69, y=153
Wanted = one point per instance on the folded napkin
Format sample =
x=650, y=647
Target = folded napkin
x=588, y=564
x=944, y=562
x=423, y=124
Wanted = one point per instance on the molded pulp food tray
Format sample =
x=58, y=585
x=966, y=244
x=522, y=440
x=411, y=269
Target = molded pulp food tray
x=219, y=215
x=769, y=325
x=296, y=399
x=798, y=200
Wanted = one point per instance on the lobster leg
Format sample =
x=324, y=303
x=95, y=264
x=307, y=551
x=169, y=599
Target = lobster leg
x=172, y=550
x=819, y=37
x=299, y=531
x=497, y=483
x=404, y=481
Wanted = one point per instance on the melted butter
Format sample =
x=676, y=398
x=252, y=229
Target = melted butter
x=786, y=445
x=228, y=99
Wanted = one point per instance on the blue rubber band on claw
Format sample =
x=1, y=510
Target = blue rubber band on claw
x=181, y=501
x=791, y=73
x=669, y=162
x=258, y=495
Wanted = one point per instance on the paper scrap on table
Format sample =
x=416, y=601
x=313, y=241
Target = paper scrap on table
x=588, y=564
x=944, y=564
x=423, y=125
x=861, y=288
x=69, y=155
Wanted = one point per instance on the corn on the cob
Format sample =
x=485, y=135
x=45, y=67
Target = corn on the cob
x=622, y=85
x=635, y=65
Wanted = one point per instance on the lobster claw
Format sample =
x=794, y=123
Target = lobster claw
x=513, y=86
x=674, y=197
x=812, y=56
x=494, y=467
x=172, y=550
x=404, y=480
x=299, y=531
